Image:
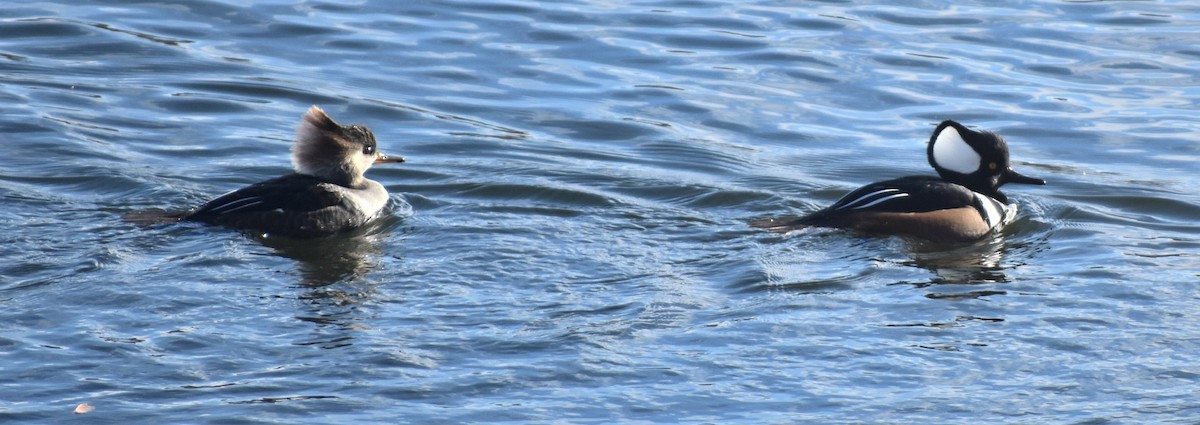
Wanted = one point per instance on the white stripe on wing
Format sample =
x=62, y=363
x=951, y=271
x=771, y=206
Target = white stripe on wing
x=868, y=197
x=237, y=205
x=883, y=199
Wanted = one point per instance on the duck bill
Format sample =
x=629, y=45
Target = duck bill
x=1014, y=177
x=384, y=159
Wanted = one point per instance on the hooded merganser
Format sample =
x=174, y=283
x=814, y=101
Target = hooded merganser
x=327, y=194
x=963, y=205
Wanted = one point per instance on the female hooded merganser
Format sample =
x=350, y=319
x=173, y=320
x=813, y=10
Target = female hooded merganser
x=327, y=194
x=963, y=205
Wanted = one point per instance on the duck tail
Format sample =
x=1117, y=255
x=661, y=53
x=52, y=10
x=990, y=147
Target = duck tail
x=153, y=216
x=780, y=224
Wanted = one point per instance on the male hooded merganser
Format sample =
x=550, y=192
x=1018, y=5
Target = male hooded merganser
x=963, y=205
x=327, y=194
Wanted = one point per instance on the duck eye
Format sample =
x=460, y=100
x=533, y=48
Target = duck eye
x=370, y=150
x=991, y=165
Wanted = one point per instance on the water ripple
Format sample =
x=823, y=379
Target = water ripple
x=568, y=239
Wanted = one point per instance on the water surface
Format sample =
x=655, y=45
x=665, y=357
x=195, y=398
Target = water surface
x=568, y=241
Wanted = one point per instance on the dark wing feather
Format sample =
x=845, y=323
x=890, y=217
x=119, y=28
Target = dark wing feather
x=902, y=195
x=906, y=194
x=295, y=205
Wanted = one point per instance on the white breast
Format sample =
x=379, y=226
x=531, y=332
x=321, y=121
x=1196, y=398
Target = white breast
x=994, y=212
x=368, y=199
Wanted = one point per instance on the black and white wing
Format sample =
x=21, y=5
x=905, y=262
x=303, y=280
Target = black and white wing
x=912, y=194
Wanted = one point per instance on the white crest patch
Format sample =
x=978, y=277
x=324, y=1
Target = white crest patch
x=953, y=153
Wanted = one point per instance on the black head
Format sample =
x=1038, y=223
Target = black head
x=975, y=159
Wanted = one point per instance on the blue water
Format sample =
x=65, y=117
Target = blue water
x=568, y=241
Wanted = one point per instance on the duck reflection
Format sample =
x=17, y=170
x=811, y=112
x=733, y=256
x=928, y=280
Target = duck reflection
x=337, y=259
x=978, y=262
x=332, y=274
